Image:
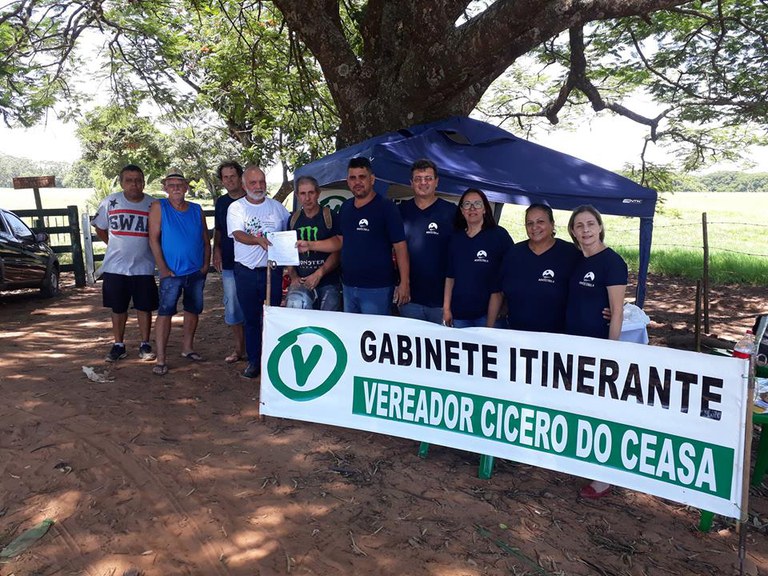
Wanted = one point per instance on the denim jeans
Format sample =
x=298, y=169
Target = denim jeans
x=233, y=314
x=421, y=312
x=478, y=322
x=251, y=292
x=368, y=300
x=171, y=287
x=329, y=297
x=470, y=323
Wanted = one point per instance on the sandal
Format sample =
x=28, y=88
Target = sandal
x=194, y=356
x=232, y=358
x=160, y=369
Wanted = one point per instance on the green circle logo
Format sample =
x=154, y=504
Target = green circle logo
x=306, y=388
x=333, y=202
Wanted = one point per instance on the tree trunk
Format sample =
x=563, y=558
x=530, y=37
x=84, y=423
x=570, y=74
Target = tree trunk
x=417, y=65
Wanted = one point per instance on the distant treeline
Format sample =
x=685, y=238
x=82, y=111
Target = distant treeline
x=77, y=176
x=12, y=167
x=725, y=181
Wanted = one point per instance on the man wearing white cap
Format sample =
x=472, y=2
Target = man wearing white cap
x=178, y=236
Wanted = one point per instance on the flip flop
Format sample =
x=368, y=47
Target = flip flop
x=590, y=493
x=194, y=356
x=160, y=369
x=232, y=358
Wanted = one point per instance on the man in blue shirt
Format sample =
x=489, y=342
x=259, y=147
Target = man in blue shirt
x=370, y=229
x=178, y=237
x=428, y=222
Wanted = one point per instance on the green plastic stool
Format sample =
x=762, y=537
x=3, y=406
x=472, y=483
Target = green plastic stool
x=761, y=462
x=484, y=470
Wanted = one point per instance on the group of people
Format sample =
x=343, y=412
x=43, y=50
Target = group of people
x=425, y=258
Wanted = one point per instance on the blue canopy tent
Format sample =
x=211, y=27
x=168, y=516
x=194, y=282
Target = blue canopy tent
x=471, y=153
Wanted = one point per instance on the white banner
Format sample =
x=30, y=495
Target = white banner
x=665, y=422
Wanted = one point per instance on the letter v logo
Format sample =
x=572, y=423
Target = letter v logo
x=300, y=387
x=303, y=368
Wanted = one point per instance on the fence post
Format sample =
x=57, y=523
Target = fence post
x=77, y=247
x=705, y=272
x=697, y=318
x=88, y=248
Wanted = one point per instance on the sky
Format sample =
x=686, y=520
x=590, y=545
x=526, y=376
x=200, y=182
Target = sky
x=608, y=142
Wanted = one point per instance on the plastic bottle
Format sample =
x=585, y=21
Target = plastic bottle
x=745, y=347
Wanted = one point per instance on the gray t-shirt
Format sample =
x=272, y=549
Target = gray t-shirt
x=128, y=251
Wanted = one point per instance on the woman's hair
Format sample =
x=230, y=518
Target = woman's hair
x=579, y=210
x=544, y=208
x=460, y=223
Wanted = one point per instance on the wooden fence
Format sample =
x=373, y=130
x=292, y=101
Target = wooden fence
x=63, y=228
x=68, y=239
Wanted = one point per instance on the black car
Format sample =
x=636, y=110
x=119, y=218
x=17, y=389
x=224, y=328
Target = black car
x=26, y=260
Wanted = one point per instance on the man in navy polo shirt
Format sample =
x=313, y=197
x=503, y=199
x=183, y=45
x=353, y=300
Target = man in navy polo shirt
x=370, y=229
x=428, y=222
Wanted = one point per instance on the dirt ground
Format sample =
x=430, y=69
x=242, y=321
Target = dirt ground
x=179, y=475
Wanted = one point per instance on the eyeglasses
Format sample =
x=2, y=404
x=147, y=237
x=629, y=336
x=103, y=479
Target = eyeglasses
x=426, y=179
x=476, y=204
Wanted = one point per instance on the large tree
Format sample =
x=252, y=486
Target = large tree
x=391, y=63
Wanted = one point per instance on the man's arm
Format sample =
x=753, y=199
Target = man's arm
x=403, y=291
x=332, y=244
x=102, y=234
x=245, y=238
x=331, y=263
x=217, y=250
x=155, y=220
x=206, y=245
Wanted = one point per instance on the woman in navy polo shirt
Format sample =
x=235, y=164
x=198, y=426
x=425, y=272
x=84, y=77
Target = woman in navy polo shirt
x=476, y=251
x=535, y=275
x=599, y=280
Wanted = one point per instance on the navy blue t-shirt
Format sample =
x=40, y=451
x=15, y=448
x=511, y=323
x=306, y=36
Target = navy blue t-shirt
x=220, y=223
x=588, y=294
x=369, y=233
x=428, y=233
x=312, y=229
x=474, y=265
x=536, y=286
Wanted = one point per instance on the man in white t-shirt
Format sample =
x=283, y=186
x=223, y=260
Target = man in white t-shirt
x=128, y=271
x=248, y=222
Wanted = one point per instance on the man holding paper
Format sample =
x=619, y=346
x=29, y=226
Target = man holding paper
x=249, y=220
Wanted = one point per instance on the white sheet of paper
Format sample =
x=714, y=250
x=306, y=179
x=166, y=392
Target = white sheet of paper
x=283, y=250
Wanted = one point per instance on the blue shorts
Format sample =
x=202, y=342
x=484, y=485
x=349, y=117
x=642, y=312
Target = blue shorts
x=171, y=287
x=233, y=314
